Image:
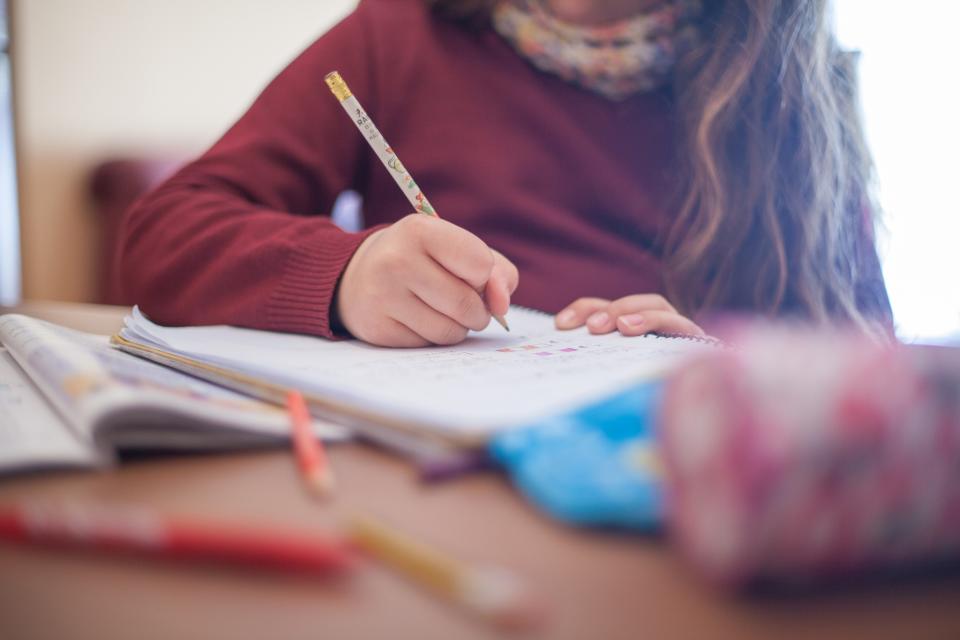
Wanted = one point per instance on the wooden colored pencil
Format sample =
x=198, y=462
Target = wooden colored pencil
x=308, y=448
x=494, y=594
x=385, y=153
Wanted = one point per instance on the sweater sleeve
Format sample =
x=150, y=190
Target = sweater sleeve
x=242, y=235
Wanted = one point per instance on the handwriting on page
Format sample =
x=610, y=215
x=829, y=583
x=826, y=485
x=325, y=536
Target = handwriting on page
x=547, y=348
x=481, y=385
x=489, y=367
x=489, y=381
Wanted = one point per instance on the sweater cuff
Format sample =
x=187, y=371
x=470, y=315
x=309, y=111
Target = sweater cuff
x=301, y=302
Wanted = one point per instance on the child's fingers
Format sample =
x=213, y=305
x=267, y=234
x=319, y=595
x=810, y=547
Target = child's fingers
x=428, y=323
x=640, y=302
x=576, y=314
x=601, y=322
x=391, y=333
x=457, y=250
x=638, y=324
x=506, y=270
x=503, y=282
x=497, y=296
x=449, y=295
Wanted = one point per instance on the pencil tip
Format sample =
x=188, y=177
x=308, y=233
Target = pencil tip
x=502, y=322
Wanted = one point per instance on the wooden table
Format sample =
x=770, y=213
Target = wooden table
x=594, y=585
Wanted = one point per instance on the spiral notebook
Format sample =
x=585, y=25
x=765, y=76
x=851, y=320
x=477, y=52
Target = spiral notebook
x=459, y=395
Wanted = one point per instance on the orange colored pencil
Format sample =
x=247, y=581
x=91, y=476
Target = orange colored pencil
x=311, y=457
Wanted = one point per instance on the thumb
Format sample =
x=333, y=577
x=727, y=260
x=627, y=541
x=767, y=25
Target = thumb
x=503, y=281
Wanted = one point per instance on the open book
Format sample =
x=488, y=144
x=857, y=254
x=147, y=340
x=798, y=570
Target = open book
x=459, y=395
x=70, y=399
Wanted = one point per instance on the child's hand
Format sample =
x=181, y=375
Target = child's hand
x=422, y=281
x=632, y=316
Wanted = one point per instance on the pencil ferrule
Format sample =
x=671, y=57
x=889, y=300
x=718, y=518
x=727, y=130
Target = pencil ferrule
x=337, y=86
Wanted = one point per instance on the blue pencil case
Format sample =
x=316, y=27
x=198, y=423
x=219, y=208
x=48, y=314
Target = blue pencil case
x=597, y=466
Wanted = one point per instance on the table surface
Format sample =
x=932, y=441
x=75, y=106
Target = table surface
x=592, y=584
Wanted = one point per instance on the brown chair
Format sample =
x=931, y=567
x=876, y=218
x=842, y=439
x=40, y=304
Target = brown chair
x=114, y=186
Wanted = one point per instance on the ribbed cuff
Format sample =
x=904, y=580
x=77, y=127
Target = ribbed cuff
x=301, y=301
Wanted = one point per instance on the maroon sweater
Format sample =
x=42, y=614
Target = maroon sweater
x=569, y=186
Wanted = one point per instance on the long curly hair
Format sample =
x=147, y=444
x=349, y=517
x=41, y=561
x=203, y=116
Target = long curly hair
x=776, y=176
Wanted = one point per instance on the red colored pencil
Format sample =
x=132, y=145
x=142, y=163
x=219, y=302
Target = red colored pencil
x=311, y=457
x=142, y=532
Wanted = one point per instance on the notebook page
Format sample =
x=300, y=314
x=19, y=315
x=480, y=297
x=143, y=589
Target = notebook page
x=31, y=432
x=491, y=381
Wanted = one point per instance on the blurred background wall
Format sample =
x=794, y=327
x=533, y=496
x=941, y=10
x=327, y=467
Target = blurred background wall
x=95, y=79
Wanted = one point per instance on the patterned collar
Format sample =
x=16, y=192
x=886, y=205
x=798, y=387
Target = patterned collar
x=615, y=60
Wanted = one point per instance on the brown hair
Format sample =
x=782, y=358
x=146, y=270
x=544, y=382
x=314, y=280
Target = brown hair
x=775, y=214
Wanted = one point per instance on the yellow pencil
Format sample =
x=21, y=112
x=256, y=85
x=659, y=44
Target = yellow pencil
x=494, y=594
x=386, y=154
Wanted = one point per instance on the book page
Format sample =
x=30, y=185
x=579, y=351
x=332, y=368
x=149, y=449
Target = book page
x=32, y=434
x=110, y=396
x=492, y=380
x=64, y=374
